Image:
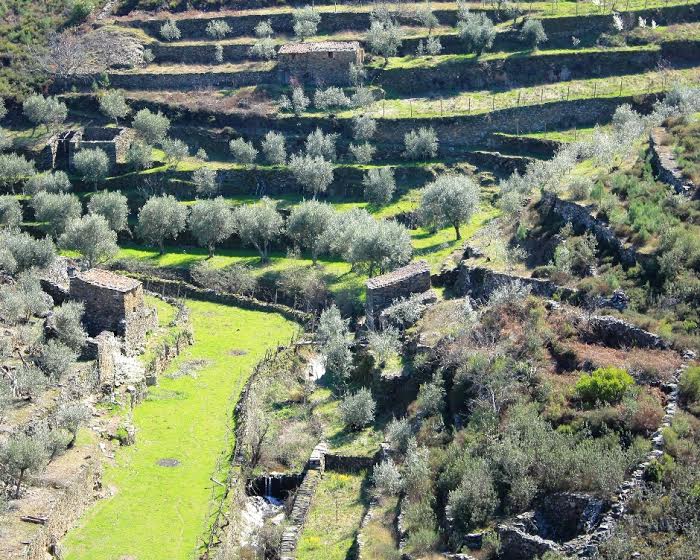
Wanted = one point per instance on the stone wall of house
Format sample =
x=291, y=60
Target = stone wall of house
x=114, y=142
x=664, y=164
x=383, y=290
x=318, y=67
x=105, y=309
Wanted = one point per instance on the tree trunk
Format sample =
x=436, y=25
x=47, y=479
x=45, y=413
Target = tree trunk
x=19, y=483
x=459, y=235
x=161, y=248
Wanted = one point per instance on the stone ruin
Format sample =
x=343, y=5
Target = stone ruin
x=322, y=62
x=665, y=165
x=113, y=303
x=62, y=147
x=384, y=290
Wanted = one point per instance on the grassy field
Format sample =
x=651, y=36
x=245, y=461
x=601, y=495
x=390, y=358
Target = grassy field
x=158, y=512
x=334, y=518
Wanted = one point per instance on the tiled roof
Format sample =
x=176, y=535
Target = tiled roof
x=107, y=279
x=398, y=275
x=320, y=46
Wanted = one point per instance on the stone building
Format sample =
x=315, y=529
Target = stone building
x=403, y=282
x=323, y=62
x=113, y=303
x=61, y=148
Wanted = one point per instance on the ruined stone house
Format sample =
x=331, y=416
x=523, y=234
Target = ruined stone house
x=384, y=290
x=319, y=63
x=62, y=147
x=113, y=303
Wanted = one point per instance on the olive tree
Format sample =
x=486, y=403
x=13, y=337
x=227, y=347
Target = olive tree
x=218, y=29
x=420, y=144
x=140, y=155
x=211, y=222
x=175, y=151
x=13, y=169
x=308, y=225
x=206, y=181
x=91, y=237
x=56, y=359
x=70, y=416
x=386, y=479
x=449, y=200
x=23, y=454
x=10, y=212
x=357, y=410
x=306, y=22
x=242, y=151
x=363, y=127
x=258, y=225
x=22, y=251
x=67, y=322
x=297, y=102
x=379, y=185
x=151, y=127
x=313, y=173
x=92, y=165
x=331, y=98
x=273, y=146
x=44, y=110
x=51, y=181
x=377, y=245
x=56, y=210
x=321, y=145
x=161, y=218
x=532, y=33
x=170, y=31
x=384, y=38
x=362, y=153
x=477, y=32
x=264, y=45
x=112, y=205
x=113, y=105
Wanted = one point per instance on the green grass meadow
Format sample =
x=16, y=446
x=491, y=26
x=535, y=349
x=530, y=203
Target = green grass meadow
x=158, y=513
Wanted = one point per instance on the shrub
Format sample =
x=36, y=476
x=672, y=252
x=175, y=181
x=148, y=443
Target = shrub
x=689, y=386
x=57, y=359
x=420, y=144
x=604, y=385
x=242, y=151
x=67, y=322
x=170, y=31
x=533, y=33
x=379, y=184
x=357, y=410
x=386, y=478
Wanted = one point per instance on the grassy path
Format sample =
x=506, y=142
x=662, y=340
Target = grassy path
x=158, y=512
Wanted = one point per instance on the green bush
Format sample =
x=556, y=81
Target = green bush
x=689, y=386
x=604, y=385
x=80, y=10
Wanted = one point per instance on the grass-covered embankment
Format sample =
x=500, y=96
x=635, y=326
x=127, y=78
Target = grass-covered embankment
x=158, y=512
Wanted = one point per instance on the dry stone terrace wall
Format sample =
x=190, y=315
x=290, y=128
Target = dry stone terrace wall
x=243, y=24
x=520, y=71
x=456, y=133
x=403, y=282
x=663, y=161
x=190, y=80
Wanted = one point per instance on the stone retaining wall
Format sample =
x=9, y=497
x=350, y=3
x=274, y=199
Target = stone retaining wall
x=179, y=289
x=663, y=162
x=582, y=221
x=480, y=282
x=474, y=74
x=190, y=80
x=73, y=502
